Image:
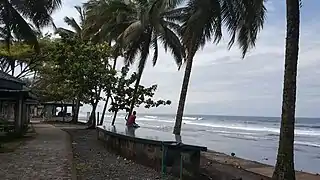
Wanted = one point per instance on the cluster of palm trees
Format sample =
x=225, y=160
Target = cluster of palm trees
x=140, y=25
x=182, y=27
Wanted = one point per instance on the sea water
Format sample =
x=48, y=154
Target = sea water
x=253, y=138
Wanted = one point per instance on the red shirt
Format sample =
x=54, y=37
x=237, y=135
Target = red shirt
x=131, y=120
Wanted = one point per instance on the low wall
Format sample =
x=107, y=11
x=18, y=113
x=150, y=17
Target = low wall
x=150, y=152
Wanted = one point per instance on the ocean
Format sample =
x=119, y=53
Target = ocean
x=253, y=138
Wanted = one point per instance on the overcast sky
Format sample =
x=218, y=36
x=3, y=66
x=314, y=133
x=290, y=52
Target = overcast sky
x=224, y=84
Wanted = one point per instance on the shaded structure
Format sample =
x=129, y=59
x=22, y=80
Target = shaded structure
x=15, y=104
x=54, y=111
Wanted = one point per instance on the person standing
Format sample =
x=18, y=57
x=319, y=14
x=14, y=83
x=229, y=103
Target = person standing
x=132, y=119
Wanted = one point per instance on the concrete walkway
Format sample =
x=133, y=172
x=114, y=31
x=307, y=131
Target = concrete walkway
x=47, y=156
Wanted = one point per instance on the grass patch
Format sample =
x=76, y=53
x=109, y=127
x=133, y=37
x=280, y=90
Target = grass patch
x=11, y=141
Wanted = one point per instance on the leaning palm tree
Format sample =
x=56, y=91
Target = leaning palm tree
x=285, y=160
x=105, y=21
x=137, y=26
x=151, y=27
x=202, y=20
x=77, y=28
x=14, y=17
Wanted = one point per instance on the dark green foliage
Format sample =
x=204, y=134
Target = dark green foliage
x=15, y=17
x=123, y=89
x=74, y=69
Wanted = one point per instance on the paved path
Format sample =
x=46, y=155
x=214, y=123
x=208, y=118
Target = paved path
x=47, y=156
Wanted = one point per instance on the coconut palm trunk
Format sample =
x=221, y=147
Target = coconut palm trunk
x=76, y=111
x=108, y=96
x=134, y=95
x=183, y=96
x=284, y=169
x=104, y=109
x=114, y=117
x=92, y=118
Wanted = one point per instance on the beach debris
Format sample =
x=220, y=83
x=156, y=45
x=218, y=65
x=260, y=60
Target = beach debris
x=265, y=159
x=233, y=154
x=237, y=165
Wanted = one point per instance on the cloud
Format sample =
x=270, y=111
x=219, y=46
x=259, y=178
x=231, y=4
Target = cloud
x=223, y=83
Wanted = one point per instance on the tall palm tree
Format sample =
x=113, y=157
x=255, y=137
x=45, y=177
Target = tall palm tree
x=105, y=21
x=77, y=28
x=285, y=160
x=202, y=21
x=137, y=26
x=14, y=17
x=150, y=27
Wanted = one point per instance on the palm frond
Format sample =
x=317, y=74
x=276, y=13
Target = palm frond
x=174, y=3
x=101, y=15
x=73, y=23
x=243, y=19
x=154, y=44
x=131, y=52
x=171, y=41
x=132, y=32
x=201, y=22
x=81, y=13
x=39, y=12
x=65, y=32
x=21, y=28
x=144, y=49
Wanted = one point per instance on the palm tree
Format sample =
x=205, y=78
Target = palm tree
x=285, y=160
x=105, y=21
x=149, y=27
x=77, y=28
x=202, y=20
x=136, y=26
x=14, y=17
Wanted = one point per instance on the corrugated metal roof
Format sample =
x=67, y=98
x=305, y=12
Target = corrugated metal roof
x=8, y=77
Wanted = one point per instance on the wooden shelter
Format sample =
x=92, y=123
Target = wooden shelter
x=54, y=111
x=15, y=102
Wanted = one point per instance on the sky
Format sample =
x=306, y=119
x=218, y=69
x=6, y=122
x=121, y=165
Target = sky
x=222, y=83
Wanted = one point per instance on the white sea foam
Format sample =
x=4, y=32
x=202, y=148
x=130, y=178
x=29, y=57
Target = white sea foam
x=231, y=127
x=151, y=117
x=192, y=118
x=252, y=128
x=307, y=144
x=153, y=120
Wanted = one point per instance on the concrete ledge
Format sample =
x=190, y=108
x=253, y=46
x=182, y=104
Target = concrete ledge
x=153, y=153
